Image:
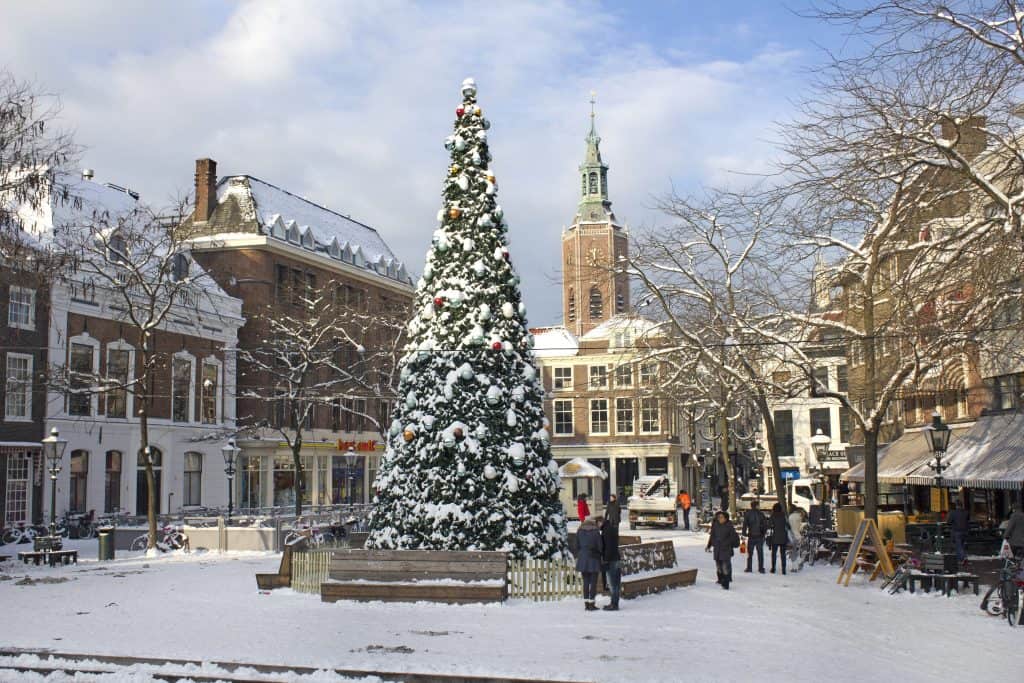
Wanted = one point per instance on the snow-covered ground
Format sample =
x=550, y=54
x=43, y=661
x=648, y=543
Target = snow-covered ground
x=800, y=627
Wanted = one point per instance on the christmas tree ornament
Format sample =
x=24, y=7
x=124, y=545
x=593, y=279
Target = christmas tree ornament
x=468, y=88
x=454, y=169
x=485, y=312
x=408, y=435
x=458, y=434
x=508, y=310
x=493, y=395
x=438, y=301
x=490, y=472
x=490, y=177
x=448, y=440
x=478, y=111
x=497, y=346
x=467, y=372
x=454, y=212
x=459, y=111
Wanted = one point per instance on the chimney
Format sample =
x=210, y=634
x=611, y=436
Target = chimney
x=206, y=189
x=88, y=174
x=970, y=135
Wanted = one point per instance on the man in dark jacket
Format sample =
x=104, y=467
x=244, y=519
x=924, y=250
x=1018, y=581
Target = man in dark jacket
x=588, y=560
x=612, y=512
x=1014, y=533
x=754, y=526
x=958, y=520
x=722, y=539
x=610, y=562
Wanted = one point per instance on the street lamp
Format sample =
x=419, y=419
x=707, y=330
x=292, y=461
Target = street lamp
x=53, y=451
x=230, y=451
x=351, y=460
x=937, y=437
x=758, y=453
x=820, y=443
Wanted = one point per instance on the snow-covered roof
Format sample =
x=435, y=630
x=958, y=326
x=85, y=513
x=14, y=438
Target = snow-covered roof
x=554, y=341
x=85, y=200
x=288, y=217
x=637, y=327
x=989, y=455
x=578, y=467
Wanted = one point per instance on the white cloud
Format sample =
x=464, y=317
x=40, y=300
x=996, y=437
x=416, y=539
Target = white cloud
x=348, y=104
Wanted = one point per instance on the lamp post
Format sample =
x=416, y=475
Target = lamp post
x=820, y=443
x=351, y=460
x=53, y=451
x=937, y=437
x=230, y=451
x=757, y=454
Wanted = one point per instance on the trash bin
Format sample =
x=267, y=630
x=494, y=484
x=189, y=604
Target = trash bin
x=106, y=541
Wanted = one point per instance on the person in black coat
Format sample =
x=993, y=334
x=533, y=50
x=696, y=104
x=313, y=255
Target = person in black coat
x=754, y=528
x=588, y=560
x=959, y=521
x=723, y=538
x=779, y=525
x=612, y=512
x=610, y=562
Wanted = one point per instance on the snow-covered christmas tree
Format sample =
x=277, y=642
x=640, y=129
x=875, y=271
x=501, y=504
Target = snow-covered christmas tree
x=468, y=462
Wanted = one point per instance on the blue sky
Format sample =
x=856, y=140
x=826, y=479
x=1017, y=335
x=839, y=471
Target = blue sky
x=348, y=103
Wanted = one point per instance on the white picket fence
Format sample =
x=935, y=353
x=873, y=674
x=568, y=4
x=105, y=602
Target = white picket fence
x=543, y=580
x=537, y=580
x=309, y=569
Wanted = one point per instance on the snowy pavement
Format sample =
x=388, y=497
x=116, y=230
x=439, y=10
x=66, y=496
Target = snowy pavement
x=801, y=627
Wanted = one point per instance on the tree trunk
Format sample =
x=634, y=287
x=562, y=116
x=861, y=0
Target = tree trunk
x=151, y=498
x=297, y=460
x=769, y=428
x=871, y=474
x=723, y=426
x=871, y=389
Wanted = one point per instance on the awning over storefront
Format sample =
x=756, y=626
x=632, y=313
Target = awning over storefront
x=903, y=457
x=990, y=455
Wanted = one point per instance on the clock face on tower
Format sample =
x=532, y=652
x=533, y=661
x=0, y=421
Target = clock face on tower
x=594, y=256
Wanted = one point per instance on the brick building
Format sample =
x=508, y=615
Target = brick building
x=260, y=243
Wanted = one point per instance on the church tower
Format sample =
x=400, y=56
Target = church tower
x=594, y=248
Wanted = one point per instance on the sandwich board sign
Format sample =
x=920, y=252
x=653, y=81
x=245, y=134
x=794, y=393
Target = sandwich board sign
x=867, y=528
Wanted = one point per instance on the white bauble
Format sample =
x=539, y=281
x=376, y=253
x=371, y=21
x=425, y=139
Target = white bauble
x=498, y=212
x=517, y=452
x=493, y=395
x=463, y=183
x=506, y=347
x=508, y=310
x=485, y=312
x=410, y=400
x=490, y=472
x=522, y=309
x=466, y=372
x=481, y=431
x=518, y=394
x=468, y=87
x=460, y=144
x=468, y=244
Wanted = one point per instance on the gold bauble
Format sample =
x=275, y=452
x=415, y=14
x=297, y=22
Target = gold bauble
x=408, y=435
x=454, y=213
x=478, y=111
x=454, y=170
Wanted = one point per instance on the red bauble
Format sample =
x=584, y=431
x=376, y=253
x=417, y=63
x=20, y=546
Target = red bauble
x=496, y=346
x=459, y=111
x=506, y=254
x=438, y=301
x=457, y=433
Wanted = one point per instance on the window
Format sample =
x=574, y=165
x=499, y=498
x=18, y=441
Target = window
x=593, y=183
x=179, y=267
x=79, y=480
x=18, y=393
x=821, y=418
x=624, y=416
x=650, y=418
x=1004, y=395
x=819, y=379
x=845, y=425
x=81, y=367
x=563, y=379
x=193, y=492
x=181, y=389
x=648, y=374
x=359, y=407
x=112, y=483
x=21, y=308
x=596, y=304
x=624, y=376
x=622, y=339
x=599, y=416
x=118, y=361
x=783, y=420
x=598, y=376
x=156, y=456
x=211, y=381
x=842, y=379
x=16, y=507
x=572, y=305
x=620, y=301
x=563, y=418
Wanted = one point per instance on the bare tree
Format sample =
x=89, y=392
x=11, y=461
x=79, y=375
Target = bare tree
x=321, y=351
x=139, y=261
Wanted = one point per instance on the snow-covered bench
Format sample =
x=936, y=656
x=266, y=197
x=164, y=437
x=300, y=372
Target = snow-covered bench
x=651, y=568
x=415, y=575
x=283, y=577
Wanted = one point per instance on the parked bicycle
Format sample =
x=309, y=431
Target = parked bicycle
x=316, y=535
x=1005, y=598
x=78, y=525
x=23, y=533
x=901, y=577
x=169, y=537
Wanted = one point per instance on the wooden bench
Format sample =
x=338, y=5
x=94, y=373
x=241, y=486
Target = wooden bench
x=50, y=557
x=640, y=561
x=283, y=577
x=947, y=583
x=413, y=575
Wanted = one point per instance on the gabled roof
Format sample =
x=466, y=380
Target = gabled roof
x=554, y=341
x=86, y=199
x=282, y=215
x=637, y=327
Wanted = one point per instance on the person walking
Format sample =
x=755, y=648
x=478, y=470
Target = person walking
x=722, y=540
x=779, y=524
x=796, y=527
x=610, y=563
x=684, y=502
x=959, y=521
x=588, y=560
x=582, y=509
x=754, y=528
x=613, y=513
x=1014, y=533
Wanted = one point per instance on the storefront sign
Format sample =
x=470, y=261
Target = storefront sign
x=358, y=446
x=790, y=473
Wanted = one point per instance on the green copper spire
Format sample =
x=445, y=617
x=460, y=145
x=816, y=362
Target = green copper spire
x=593, y=171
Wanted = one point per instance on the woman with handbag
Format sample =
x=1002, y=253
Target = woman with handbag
x=589, y=551
x=779, y=525
x=723, y=538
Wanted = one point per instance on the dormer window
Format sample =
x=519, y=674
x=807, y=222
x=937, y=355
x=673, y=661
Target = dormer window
x=307, y=238
x=117, y=248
